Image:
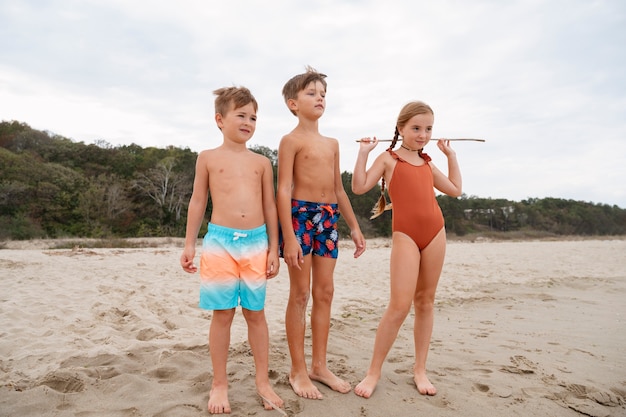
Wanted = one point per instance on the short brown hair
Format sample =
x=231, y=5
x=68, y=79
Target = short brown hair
x=299, y=82
x=239, y=96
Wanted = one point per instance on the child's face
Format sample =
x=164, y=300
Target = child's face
x=312, y=99
x=238, y=124
x=417, y=131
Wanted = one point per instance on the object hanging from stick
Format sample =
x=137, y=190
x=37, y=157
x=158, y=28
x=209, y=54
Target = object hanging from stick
x=457, y=139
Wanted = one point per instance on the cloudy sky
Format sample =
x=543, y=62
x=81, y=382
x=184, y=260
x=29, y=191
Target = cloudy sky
x=543, y=81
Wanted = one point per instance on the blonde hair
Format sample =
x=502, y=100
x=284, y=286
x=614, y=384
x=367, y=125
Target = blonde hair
x=407, y=112
x=239, y=96
x=299, y=82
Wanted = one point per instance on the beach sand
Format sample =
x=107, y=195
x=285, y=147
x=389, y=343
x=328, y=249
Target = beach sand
x=525, y=328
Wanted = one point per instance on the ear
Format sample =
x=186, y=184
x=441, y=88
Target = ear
x=292, y=105
x=219, y=120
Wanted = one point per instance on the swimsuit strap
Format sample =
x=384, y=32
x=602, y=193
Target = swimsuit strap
x=395, y=156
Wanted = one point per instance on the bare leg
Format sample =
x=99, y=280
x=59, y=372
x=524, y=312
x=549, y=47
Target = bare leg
x=219, y=342
x=258, y=337
x=405, y=260
x=295, y=324
x=323, y=290
x=430, y=271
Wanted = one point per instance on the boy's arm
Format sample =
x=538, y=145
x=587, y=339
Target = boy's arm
x=270, y=215
x=195, y=213
x=292, y=252
x=345, y=208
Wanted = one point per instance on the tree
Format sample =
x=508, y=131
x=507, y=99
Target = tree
x=168, y=189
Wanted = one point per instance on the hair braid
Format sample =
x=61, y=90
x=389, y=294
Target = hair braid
x=382, y=205
x=394, y=140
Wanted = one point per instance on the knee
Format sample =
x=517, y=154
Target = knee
x=397, y=314
x=254, y=317
x=223, y=317
x=324, y=294
x=300, y=298
x=424, y=304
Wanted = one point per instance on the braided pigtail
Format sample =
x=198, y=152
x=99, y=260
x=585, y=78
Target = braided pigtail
x=396, y=135
x=382, y=205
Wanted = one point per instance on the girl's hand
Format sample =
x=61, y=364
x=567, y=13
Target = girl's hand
x=444, y=146
x=367, y=144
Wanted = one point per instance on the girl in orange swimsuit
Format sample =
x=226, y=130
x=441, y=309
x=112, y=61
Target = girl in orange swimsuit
x=418, y=240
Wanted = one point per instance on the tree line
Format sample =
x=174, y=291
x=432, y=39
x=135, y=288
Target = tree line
x=52, y=186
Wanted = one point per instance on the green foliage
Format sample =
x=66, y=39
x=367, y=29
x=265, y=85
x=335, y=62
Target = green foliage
x=51, y=186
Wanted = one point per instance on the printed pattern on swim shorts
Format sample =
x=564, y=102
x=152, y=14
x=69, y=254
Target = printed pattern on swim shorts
x=315, y=226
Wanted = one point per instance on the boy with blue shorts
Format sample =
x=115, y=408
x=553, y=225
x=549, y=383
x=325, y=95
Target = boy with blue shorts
x=310, y=197
x=240, y=248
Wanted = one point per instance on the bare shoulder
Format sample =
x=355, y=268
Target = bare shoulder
x=209, y=153
x=204, y=157
x=290, y=139
x=385, y=161
x=258, y=158
x=385, y=156
x=331, y=141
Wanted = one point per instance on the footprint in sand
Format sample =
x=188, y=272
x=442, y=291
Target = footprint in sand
x=145, y=335
x=521, y=365
x=63, y=381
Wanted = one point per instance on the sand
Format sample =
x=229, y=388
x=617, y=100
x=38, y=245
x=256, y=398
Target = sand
x=528, y=328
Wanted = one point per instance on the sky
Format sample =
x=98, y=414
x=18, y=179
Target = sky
x=542, y=81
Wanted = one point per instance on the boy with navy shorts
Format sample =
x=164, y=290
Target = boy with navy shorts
x=310, y=197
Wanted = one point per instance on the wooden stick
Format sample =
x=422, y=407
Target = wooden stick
x=400, y=140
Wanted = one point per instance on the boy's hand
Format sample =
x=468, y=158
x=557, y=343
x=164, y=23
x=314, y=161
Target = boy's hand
x=186, y=260
x=359, y=242
x=273, y=264
x=292, y=253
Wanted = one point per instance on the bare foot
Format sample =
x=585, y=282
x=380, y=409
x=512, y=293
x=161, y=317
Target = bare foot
x=423, y=384
x=218, y=401
x=303, y=386
x=331, y=380
x=271, y=400
x=366, y=387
